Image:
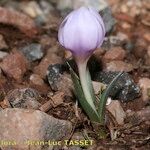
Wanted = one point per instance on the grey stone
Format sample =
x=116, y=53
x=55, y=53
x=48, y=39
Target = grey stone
x=23, y=127
x=24, y=98
x=69, y=5
x=3, y=44
x=125, y=88
x=108, y=19
x=53, y=74
x=129, y=46
x=33, y=51
x=59, y=80
x=3, y=54
x=111, y=41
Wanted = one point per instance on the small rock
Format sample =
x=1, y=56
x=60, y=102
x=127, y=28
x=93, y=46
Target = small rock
x=24, y=98
x=116, y=53
x=140, y=48
x=117, y=65
x=33, y=51
x=68, y=55
x=74, y=4
x=144, y=84
x=117, y=111
x=108, y=19
x=46, y=7
x=112, y=41
x=54, y=73
x=14, y=65
x=31, y=9
x=50, y=58
x=135, y=118
x=37, y=83
x=65, y=85
x=59, y=81
x=47, y=41
x=3, y=54
x=3, y=44
x=147, y=37
x=144, y=114
x=98, y=87
x=25, y=126
x=97, y=4
x=129, y=46
x=125, y=88
x=36, y=79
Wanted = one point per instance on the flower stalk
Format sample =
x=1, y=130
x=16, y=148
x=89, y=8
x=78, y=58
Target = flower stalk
x=83, y=74
x=81, y=32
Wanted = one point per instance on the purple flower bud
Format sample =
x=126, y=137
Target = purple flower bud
x=82, y=31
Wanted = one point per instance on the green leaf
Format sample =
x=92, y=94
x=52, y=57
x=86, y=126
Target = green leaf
x=104, y=97
x=92, y=113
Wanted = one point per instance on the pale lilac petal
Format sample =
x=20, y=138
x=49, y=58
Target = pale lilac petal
x=82, y=31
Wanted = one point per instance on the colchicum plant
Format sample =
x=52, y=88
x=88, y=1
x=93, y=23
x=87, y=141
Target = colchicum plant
x=81, y=32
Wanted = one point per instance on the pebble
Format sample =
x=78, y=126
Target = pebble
x=50, y=58
x=36, y=79
x=60, y=82
x=116, y=53
x=33, y=51
x=31, y=8
x=144, y=84
x=54, y=72
x=3, y=44
x=98, y=87
x=63, y=5
x=14, y=65
x=112, y=41
x=24, y=98
x=117, y=111
x=3, y=54
x=140, y=48
x=125, y=88
x=129, y=46
x=46, y=7
x=25, y=127
x=117, y=65
x=108, y=19
x=147, y=37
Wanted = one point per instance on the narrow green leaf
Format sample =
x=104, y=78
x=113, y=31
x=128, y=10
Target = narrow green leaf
x=104, y=97
x=92, y=114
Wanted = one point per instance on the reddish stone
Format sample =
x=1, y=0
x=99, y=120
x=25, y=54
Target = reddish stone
x=119, y=66
x=144, y=84
x=14, y=65
x=27, y=128
x=50, y=58
x=116, y=53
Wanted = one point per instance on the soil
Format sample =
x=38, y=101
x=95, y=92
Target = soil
x=135, y=133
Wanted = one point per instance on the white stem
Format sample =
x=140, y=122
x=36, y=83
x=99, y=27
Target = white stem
x=83, y=74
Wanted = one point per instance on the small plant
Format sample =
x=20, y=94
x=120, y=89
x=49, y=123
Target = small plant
x=81, y=32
